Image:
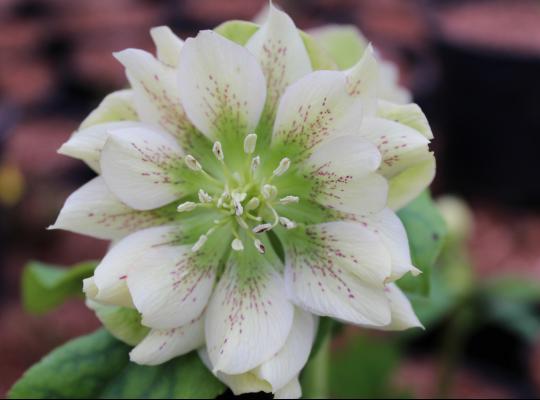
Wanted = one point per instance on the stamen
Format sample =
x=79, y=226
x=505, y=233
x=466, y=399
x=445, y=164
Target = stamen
x=289, y=200
x=269, y=192
x=187, y=206
x=242, y=223
x=218, y=151
x=284, y=165
x=250, y=142
x=200, y=243
x=238, y=209
x=204, y=197
x=192, y=163
x=287, y=223
x=253, y=203
x=260, y=247
x=262, y=228
x=237, y=245
x=224, y=197
x=255, y=163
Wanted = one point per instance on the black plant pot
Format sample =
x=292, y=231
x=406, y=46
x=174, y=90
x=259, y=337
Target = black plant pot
x=490, y=102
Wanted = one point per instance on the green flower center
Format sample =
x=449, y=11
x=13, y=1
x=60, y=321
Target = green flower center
x=246, y=197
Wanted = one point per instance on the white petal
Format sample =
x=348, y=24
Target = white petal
x=338, y=269
x=87, y=144
x=168, y=45
x=363, y=81
x=387, y=225
x=287, y=364
x=160, y=346
x=94, y=211
x=315, y=109
x=112, y=273
x=140, y=167
x=115, y=107
x=222, y=87
x=248, y=320
x=282, y=55
x=155, y=92
x=342, y=172
x=406, y=158
x=403, y=316
x=292, y=390
x=171, y=284
x=239, y=384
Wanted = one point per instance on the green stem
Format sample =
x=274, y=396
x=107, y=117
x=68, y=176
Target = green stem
x=452, y=346
x=315, y=375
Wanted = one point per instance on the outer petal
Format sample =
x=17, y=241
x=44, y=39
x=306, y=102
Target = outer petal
x=155, y=91
x=111, y=274
x=343, y=177
x=140, y=166
x=363, y=81
x=387, y=225
x=403, y=316
x=117, y=106
x=287, y=364
x=410, y=115
x=222, y=87
x=344, y=43
x=315, y=109
x=239, y=384
x=249, y=317
x=168, y=45
x=171, y=284
x=291, y=390
x=407, y=162
x=94, y=211
x=87, y=144
x=337, y=269
x=163, y=345
x=282, y=55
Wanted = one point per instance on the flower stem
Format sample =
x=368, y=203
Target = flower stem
x=315, y=375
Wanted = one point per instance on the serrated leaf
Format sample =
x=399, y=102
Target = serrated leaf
x=426, y=231
x=98, y=366
x=46, y=286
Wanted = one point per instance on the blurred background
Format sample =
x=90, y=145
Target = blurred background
x=473, y=66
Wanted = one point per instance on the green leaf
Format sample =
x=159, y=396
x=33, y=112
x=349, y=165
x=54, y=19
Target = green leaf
x=363, y=368
x=426, y=230
x=47, y=286
x=97, y=366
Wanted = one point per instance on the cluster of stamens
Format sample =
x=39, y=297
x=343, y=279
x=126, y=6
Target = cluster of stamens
x=239, y=210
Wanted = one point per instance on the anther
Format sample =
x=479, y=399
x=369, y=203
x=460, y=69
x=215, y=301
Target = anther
x=269, y=192
x=253, y=203
x=262, y=228
x=204, y=197
x=187, y=206
x=259, y=246
x=192, y=163
x=200, y=243
x=289, y=200
x=218, y=151
x=287, y=223
x=284, y=165
x=237, y=245
x=250, y=142
x=255, y=163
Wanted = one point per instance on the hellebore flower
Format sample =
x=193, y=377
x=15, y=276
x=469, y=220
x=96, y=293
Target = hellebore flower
x=246, y=195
